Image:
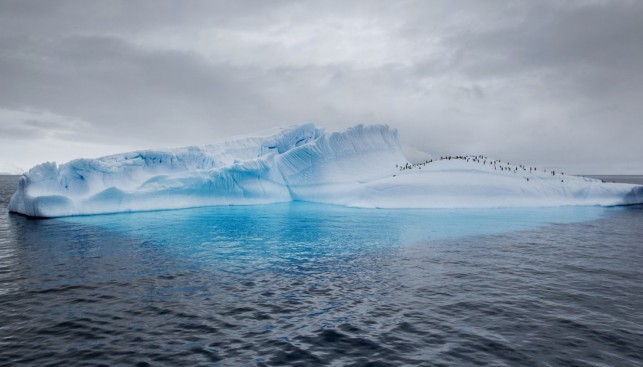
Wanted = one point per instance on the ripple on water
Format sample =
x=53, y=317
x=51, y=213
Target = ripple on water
x=316, y=285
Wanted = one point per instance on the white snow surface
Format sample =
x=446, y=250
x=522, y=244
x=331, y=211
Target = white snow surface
x=357, y=167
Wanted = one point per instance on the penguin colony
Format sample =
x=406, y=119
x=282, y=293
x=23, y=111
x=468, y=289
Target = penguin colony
x=480, y=159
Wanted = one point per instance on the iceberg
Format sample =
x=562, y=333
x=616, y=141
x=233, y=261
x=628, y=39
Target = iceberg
x=362, y=166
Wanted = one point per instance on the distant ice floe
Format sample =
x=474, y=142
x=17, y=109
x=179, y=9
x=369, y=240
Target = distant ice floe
x=362, y=166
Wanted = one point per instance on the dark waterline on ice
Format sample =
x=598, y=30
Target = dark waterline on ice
x=304, y=284
x=630, y=179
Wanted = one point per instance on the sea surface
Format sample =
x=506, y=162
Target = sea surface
x=303, y=284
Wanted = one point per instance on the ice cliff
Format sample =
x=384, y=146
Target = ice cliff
x=356, y=167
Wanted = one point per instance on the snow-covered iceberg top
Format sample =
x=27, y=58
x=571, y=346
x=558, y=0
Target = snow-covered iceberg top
x=362, y=166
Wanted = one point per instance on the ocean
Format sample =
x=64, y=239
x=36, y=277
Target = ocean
x=303, y=284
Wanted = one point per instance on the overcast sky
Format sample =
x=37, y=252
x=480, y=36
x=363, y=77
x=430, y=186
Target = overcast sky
x=551, y=83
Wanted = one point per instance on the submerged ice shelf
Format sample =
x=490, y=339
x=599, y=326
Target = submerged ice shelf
x=357, y=167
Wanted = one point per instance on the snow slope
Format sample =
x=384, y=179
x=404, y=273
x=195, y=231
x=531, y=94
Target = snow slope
x=357, y=167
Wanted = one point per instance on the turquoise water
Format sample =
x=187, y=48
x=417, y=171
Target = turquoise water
x=293, y=237
x=326, y=226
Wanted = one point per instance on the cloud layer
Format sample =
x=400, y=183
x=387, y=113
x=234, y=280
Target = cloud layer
x=550, y=83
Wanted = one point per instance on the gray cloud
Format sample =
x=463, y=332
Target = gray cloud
x=19, y=133
x=547, y=83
